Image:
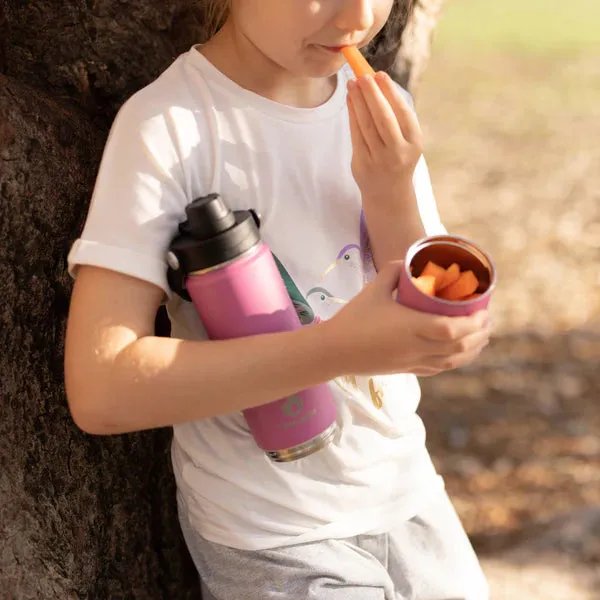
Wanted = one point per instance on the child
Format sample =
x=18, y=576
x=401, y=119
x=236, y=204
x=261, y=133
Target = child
x=267, y=114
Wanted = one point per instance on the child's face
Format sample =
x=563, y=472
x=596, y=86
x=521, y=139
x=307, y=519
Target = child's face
x=305, y=36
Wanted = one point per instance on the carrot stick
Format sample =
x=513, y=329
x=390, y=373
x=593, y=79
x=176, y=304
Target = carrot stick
x=425, y=283
x=464, y=286
x=471, y=297
x=438, y=272
x=452, y=275
x=357, y=61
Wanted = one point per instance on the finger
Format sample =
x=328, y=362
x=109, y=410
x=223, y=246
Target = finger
x=364, y=118
x=448, y=329
x=381, y=112
x=424, y=372
x=469, y=343
x=388, y=277
x=448, y=363
x=405, y=116
x=358, y=141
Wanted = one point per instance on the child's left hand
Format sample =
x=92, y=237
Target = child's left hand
x=386, y=140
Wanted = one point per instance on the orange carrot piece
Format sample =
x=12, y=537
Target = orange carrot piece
x=464, y=286
x=452, y=275
x=425, y=283
x=357, y=61
x=438, y=272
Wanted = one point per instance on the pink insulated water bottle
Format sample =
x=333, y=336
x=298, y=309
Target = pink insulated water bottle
x=218, y=261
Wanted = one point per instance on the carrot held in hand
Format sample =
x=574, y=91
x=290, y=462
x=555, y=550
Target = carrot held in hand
x=357, y=61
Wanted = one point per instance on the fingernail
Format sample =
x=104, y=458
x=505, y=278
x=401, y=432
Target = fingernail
x=351, y=84
x=381, y=76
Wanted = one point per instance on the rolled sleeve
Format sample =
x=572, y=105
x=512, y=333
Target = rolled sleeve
x=138, y=199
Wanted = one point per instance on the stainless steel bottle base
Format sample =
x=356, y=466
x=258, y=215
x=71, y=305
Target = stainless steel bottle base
x=306, y=449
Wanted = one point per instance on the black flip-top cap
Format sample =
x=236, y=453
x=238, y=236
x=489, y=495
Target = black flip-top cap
x=208, y=216
x=211, y=236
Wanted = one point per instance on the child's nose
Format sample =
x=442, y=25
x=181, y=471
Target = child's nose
x=355, y=15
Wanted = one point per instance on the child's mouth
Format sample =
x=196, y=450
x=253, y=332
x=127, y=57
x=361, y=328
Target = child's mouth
x=333, y=49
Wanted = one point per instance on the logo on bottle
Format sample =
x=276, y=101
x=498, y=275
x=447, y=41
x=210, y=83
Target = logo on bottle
x=292, y=407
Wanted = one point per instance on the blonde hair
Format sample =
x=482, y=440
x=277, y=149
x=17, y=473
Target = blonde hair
x=213, y=13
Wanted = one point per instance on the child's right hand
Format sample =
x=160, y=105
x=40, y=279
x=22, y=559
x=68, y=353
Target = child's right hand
x=374, y=334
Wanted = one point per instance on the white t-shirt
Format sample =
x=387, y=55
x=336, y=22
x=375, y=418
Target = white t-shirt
x=191, y=132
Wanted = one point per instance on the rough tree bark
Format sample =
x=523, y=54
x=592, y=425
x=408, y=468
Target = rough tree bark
x=80, y=517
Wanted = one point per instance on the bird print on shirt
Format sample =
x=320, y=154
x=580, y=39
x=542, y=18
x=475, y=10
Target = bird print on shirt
x=355, y=257
x=348, y=257
x=320, y=303
x=324, y=301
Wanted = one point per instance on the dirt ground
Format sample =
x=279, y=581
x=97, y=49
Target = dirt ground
x=512, y=145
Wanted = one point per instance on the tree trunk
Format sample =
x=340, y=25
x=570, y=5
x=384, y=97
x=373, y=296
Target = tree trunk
x=80, y=516
x=413, y=54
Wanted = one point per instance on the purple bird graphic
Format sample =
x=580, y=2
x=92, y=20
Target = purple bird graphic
x=357, y=257
x=349, y=256
x=323, y=302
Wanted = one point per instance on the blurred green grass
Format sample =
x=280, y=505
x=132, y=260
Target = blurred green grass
x=516, y=26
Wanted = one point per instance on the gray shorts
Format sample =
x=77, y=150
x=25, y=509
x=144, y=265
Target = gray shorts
x=427, y=558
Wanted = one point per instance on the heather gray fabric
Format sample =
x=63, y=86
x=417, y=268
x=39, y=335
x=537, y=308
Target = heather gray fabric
x=426, y=558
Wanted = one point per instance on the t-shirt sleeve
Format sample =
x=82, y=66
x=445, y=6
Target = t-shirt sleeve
x=426, y=201
x=428, y=208
x=138, y=198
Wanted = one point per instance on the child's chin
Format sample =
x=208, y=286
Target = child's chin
x=327, y=69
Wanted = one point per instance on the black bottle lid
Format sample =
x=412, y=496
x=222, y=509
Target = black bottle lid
x=212, y=235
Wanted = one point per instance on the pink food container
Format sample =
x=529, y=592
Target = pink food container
x=445, y=250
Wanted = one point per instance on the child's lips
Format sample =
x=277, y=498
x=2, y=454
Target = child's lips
x=334, y=49
x=338, y=49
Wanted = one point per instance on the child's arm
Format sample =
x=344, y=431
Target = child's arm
x=392, y=232
x=387, y=144
x=121, y=378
